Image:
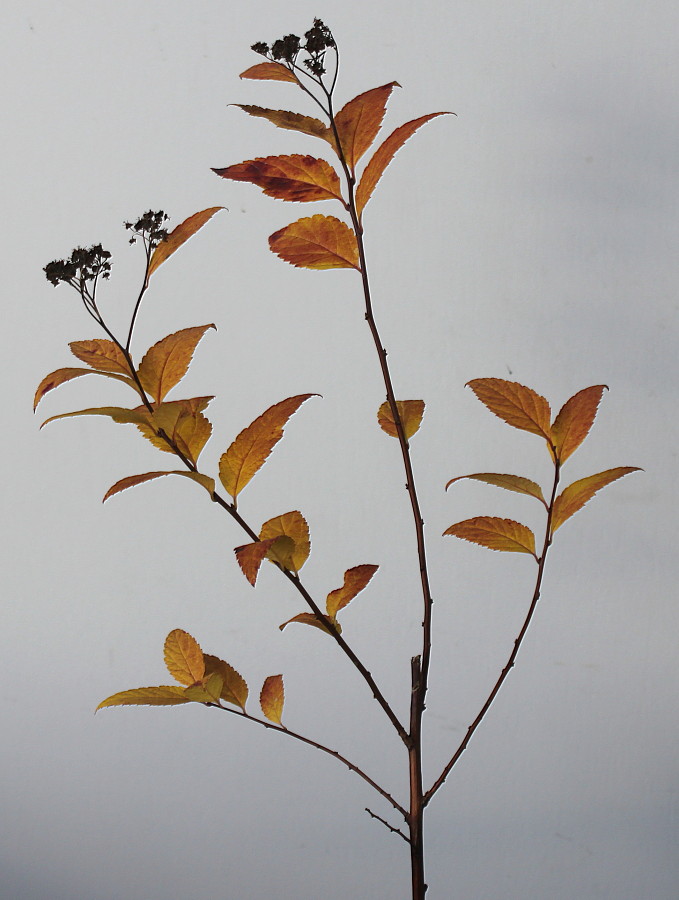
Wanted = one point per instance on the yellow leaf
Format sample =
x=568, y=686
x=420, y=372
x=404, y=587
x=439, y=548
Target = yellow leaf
x=248, y=453
x=517, y=405
x=167, y=362
x=292, y=525
x=60, y=376
x=234, y=689
x=496, y=534
x=117, y=413
x=576, y=417
x=290, y=120
x=355, y=580
x=100, y=354
x=508, y=482
x=410, y=412
x=182, y=422
x=282, y=551
x=359, y=121
x=132, y=480
x=577, y=494
x=318, y=242
x=272, y=698
x=250, y=557
x=179, y=236
x=208, y=690
x=295, y=177
x=269, y=71
x=166, y=695
x=310, y=619
x=183, y=657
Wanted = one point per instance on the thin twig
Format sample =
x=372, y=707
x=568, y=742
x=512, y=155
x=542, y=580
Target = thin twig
x=387, y=825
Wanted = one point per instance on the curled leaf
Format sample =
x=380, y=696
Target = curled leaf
x=576, y=417
x=318, y=242
x=574, y=497
x=290, y=120
x=310, y=619
x=295, y=177
x=165, y=695
x=292, y=525
x=269, y=71
x=133, y=480
x=61, y=376
x=508, y=482
x=167, y=362
x=410, y=412
x=355, y=580
x=183, y=423
x=517, y=405
x=183, y=657
x=272, y=698
x=496, y=534
x=117, y=413
x=179, y=236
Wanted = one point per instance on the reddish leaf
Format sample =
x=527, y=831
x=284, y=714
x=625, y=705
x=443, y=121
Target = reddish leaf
x=319, y=242
x=310, y=619
x=61, y=376
x=234, y=688
x=250, y=557
x=384, y=155
x=166, y=695
x=296, y=177
x=519, y=406
x=359, y=121
x=292, y=525
x=410, y=412
x=575, y=419
x=290, y=120
x=574, y=497
x=508, y=482
x=355, y=580
x=132, y=480
x=272, y=698
x=183, y=657
x=167, y=362
x=269, y=71
x=496, y=534
x=179, y=236
x=100, y=354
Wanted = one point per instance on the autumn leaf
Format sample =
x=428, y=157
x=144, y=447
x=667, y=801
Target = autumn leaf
x=269, y=71
x=117, y=413
x=165, y=695
x=61, y=376
x=318, y=242
x=208, y=690
x=167, y=362
x=496, y=534
x=292, y=525
x=133, y=480
x=272, y=698
x=234, y=689
x=577, y=494
x=508, y=482
x=576, y=417
x=294, y=177
x=183, y=657
x=384, y=155
x=250, y=557
x=179, y=236
x=410, y=412
x=517, y=405
x=355, y=580
x=290, y=120
x=310, y=619
x=359, y=121
x=100, y=354
x=248, y=453
x=182, y=421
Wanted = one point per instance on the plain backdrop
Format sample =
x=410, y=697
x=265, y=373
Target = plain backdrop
x=531, y=238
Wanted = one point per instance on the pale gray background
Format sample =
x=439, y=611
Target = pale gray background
x=534, y=238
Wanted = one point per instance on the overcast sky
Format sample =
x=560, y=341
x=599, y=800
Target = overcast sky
x=532, y=238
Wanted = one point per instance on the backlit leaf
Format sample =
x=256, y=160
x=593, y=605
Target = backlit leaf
x=575, y=419
x=117, y=413
x=234, y=688
x=167, y=362
x=294, y=177
x=292, y=525
x=183, y=657
x=282, y=551
x=269, y=71
x=410, y=412
x=574, y=497
x=250, y=557
x=132, y=480
x=272, y=698
x=519, y=406
x=179, y=236
x=318, y=242
x=102, y=355
x=166, y=695
x=290, y=120
x=208, y=690
x=384, y=155
x=310, y=619
x=359, y=121
x=355, y=580
x=508, y=482
x=182, y=422
x=60, y=376
x=496, y=534
x=248, y=453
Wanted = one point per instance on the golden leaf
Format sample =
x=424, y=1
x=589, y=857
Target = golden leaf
x=295, y=177
x=234, y=688
x=496, y=534
x=208, y=690
x=167, y=362
x=517, y=405
x=132, y=480
x=60, y=376
x=119, y=414
x=272, y=698
x=100, y=354
x=574, y=497
x=269, y=71
x=576, y=417
x=508, y=482
x=359, y=121
x=355, y=580
x=290, y=120
x=183, y=657
x=310, y=619
x=292, y=525
x=179, y=236
x=318, y=242
x=182, y=422
x=165, y=695
x=410, y=412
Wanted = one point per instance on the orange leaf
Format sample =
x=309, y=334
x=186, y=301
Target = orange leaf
x=410, y=412
x=179, y=236
x=119, y=414
x=295, y=177
x=384, y=155
x=574, y=497
x=508, y=482
x=132, y=480
x=355, y=580
x=182, y=422
x=310, y=619
x=183, y=657
x=250, y=557
x=359, y=121
x=519, y=406
x=100, y=354
x=290, y=120
x=269, y=71
x=167, y=362
x=496, y=534
x=166, y=695
x=272, y=698
x=234, y=688
x=292, y=525
x=248, y=453
x=575, y=419
x=60, y=376
x=319, y=242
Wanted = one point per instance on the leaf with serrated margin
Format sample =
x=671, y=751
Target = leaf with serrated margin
x=496, y=534
x=133, y=480
x=508, y=482
x=118, y=413
x=179, y=236
x=574, y=497
x=410, y=411
x=206, y=691
x=269, y=71
x=291, y=120
x=234, y=687
x=517, y=405
x=181, y=421
x=355, y=580
x=183, y=657
x=294, y=177
x=317, y=242
x=575, y=418
x=384, y=155
x=359, y=121
x=272, y=698
x=310, y=619
x=167, y=362
x=61, y=376
x=248, y=453
x=292, y=525
x=250, y=557
x=100, y=354
x=165, y=695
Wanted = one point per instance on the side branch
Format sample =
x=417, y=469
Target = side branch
x=387, y=825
